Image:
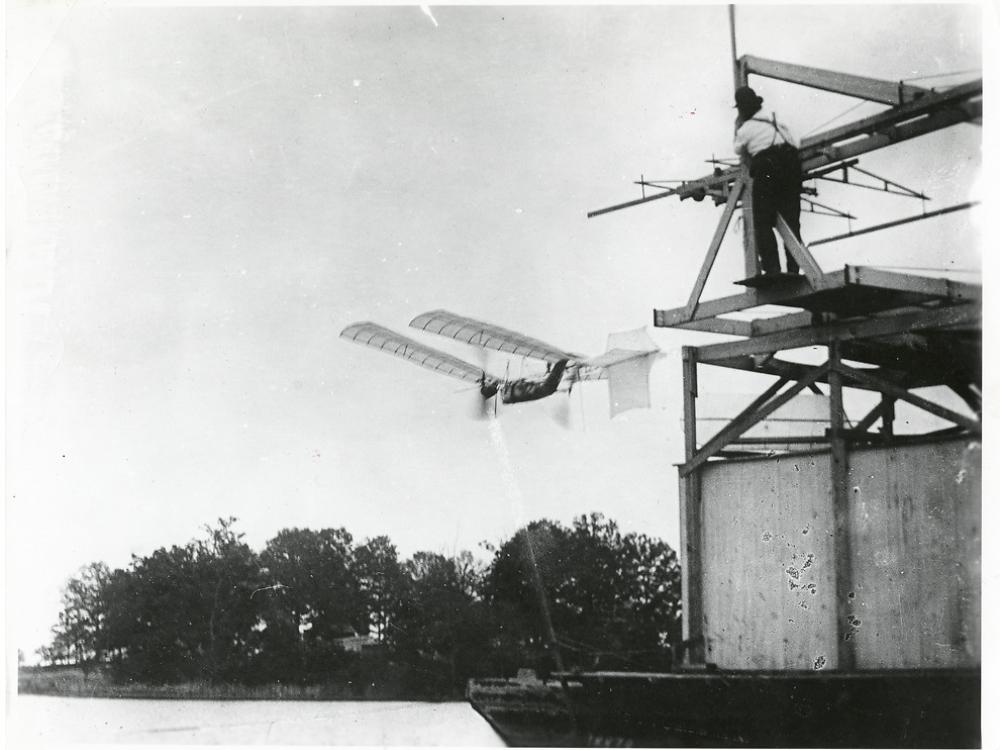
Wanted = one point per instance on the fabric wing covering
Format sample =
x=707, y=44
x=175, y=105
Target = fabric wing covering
x=628, y=360
x=487, y=335
x=379, y=337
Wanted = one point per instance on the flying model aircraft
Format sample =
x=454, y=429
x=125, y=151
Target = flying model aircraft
x=625, y=365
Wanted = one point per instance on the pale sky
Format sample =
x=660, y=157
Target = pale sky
x=200, y=199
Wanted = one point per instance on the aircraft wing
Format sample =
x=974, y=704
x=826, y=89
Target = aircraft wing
x=489, y=336
x=386, y=340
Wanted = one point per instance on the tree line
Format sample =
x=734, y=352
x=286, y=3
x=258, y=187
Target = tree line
x=315, y=608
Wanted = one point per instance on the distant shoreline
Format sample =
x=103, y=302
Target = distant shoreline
x=71, y=682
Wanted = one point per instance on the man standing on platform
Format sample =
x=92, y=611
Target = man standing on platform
x=773, y=154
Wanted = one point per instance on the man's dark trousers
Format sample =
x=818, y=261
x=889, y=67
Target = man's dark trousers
x=777, y=182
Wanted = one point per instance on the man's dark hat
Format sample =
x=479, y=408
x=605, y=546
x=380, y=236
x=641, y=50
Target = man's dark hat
x=746, y=98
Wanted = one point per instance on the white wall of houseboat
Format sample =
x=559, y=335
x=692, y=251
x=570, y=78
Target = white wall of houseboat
x=913, y=533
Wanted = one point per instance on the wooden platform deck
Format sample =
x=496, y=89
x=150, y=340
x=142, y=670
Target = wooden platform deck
x=929, y=329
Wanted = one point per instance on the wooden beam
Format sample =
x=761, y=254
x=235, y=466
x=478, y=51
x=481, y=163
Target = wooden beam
x=860, y=87
x=783, y=440
x=888, y=415
x=750, y=416
x=724, y=326
x=904, y=395
x=689, y=362
x=887, y=136
x=692, y=539
x=840, y=330
x=843, y=568
x=932, y=366
x=970, y=396
x=713, y=248
x=789, y=322
x=874, y=123
x=893, y=440
x=774, y=367
x=751, y=263
x=904, y=282
x=787, y=293
x=808, y=264
x=738, y=75
x=854, y=435
x=733, y=303
x=692, y=598
x=794, y=371
x=736, y=302
x=871, y=417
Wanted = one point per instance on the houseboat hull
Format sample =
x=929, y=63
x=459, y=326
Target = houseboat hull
x=907, y=708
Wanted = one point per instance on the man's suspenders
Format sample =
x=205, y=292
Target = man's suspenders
x=773, y=122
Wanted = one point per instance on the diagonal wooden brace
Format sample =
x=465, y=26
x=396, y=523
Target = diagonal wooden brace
x=904, y=395
x=808, y=264
x=760, y=409
x=713, y=249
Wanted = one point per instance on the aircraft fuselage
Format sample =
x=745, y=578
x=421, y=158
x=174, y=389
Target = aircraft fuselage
x=518, y=391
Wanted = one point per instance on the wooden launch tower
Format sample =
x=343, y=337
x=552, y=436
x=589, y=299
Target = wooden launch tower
x=890, y=523
x=847, y=558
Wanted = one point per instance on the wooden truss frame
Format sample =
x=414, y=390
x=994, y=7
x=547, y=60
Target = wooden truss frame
x=883, y=332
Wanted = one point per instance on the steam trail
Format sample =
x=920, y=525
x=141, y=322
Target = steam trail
x=517, y=501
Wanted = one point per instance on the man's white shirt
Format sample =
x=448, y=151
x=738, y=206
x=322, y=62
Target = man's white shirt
x=760, y=133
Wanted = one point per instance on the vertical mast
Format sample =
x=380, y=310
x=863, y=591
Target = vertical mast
x=749, y=245
x=737, y=78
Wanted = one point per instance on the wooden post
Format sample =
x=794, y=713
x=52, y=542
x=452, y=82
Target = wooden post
x=691, y=519
x=737, y=77
x=888, y=409
x=750, y=263
x=841, y=516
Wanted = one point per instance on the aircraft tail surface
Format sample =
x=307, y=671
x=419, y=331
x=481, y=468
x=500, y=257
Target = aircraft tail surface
x=628, y=360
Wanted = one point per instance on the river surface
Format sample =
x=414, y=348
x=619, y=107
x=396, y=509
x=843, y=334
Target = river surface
x=35, y=719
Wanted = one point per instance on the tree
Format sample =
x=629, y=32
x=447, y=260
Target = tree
x=214, y=610
x=381, y=580
x=589, y=595
x=228, y=573
x=80, y=637
x=158, y=607
x=311, y=599
x=633, y=582
x=519, y=588
x=187, y=612
x=439, y=630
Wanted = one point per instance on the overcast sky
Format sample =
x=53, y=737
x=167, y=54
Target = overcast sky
x=201, y=199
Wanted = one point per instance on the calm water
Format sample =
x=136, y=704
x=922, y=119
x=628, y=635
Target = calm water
x=43, y=719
